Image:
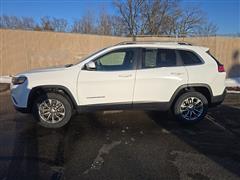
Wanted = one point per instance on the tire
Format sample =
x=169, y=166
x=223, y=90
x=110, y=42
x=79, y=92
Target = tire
x=52, y=110
x=190, y=113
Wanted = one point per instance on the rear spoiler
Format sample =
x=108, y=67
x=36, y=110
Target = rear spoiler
x=206, y=49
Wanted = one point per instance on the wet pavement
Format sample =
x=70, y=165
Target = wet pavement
x=121, y=145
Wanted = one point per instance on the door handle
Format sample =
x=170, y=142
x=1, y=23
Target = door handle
x=177, y=73
x=125, y=75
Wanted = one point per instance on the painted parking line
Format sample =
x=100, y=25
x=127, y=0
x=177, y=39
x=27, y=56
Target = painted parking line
x=112, y=112
x=212, y=120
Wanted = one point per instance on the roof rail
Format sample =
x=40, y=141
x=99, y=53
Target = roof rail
x=153, y=42
x=184, y=43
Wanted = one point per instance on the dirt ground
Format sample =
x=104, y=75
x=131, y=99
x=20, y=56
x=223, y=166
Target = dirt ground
x=121, y=145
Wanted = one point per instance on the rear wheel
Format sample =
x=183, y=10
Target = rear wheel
x=191, y=107
x=52, y=110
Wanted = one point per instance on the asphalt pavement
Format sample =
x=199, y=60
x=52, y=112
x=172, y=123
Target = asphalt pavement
x=121, y=145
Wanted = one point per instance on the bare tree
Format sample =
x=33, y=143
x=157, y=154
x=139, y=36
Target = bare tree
x=9, y=22
x=162, y=17
x=46, y=24
x=119, y=26
x=77, y=26
x=37, y=28
x=59, y=25
x=151, y=17
x=188, y=21
x=155, y=15
x=208, y=29
x=130, y=14
x=105, y=24
x=14, y=22
x=85, y=25
x=28, y=23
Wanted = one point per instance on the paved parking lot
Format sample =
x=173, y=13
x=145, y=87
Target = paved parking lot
x=121, y=145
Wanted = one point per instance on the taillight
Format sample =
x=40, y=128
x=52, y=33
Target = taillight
x=221, y=68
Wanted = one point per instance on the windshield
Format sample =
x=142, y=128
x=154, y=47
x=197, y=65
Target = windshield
x=88, y=56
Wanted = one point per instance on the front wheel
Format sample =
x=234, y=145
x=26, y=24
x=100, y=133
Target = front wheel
x=52, y=110
x=191, y=107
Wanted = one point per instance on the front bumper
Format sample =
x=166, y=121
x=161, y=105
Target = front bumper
x=19, y=96
x=216, y=100
x=22, y=110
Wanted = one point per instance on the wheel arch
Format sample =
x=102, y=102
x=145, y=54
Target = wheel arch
x=198, y=87
x=51, y=88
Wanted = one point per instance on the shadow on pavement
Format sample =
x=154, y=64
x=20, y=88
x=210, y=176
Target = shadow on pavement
x=24, y=160
x=27, y=154
x=217, y=136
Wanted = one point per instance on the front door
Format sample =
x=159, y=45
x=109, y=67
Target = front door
x=112, y=81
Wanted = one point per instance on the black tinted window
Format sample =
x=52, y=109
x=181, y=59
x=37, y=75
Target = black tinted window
x=159, y=58
x=166, y=57
x=189, y=58
x=150, y=58
x=116, y=60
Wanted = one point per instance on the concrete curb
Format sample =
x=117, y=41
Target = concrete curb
x=4, y=87
x=5, y=79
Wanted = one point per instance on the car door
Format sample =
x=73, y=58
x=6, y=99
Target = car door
x=160, y=74
x=112, y=81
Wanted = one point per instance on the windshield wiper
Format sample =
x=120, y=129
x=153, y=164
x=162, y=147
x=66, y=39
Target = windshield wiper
x=68, y=65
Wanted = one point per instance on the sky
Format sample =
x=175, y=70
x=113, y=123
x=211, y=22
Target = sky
x=224, y=13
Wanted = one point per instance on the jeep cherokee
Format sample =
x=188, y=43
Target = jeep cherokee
x=162, y=76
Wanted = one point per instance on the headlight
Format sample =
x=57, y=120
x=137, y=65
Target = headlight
x=18, y=80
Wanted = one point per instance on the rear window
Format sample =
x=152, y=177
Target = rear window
x=189, y=58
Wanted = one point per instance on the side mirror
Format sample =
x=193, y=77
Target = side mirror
x=90, y=66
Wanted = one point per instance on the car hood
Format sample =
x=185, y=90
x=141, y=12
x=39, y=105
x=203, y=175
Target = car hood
x=50, y=69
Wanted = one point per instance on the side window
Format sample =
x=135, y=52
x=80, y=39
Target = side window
x=150, y=58
x=166, y=58
x=189, y=58
x=116, y=61
x=159, y=58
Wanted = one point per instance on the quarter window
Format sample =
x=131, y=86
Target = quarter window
x=189, y=58
x=115, y=61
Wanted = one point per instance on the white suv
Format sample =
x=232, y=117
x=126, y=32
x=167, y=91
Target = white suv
x=160, y=76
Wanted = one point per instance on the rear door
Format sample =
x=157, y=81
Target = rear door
x=160, y=74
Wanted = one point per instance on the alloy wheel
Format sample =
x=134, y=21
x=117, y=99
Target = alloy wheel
x=191, y=108
x=51, y=110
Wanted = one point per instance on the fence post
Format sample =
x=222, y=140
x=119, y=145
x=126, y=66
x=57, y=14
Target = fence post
x=133, y=37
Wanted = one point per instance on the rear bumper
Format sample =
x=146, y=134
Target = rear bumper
x=216, y=100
